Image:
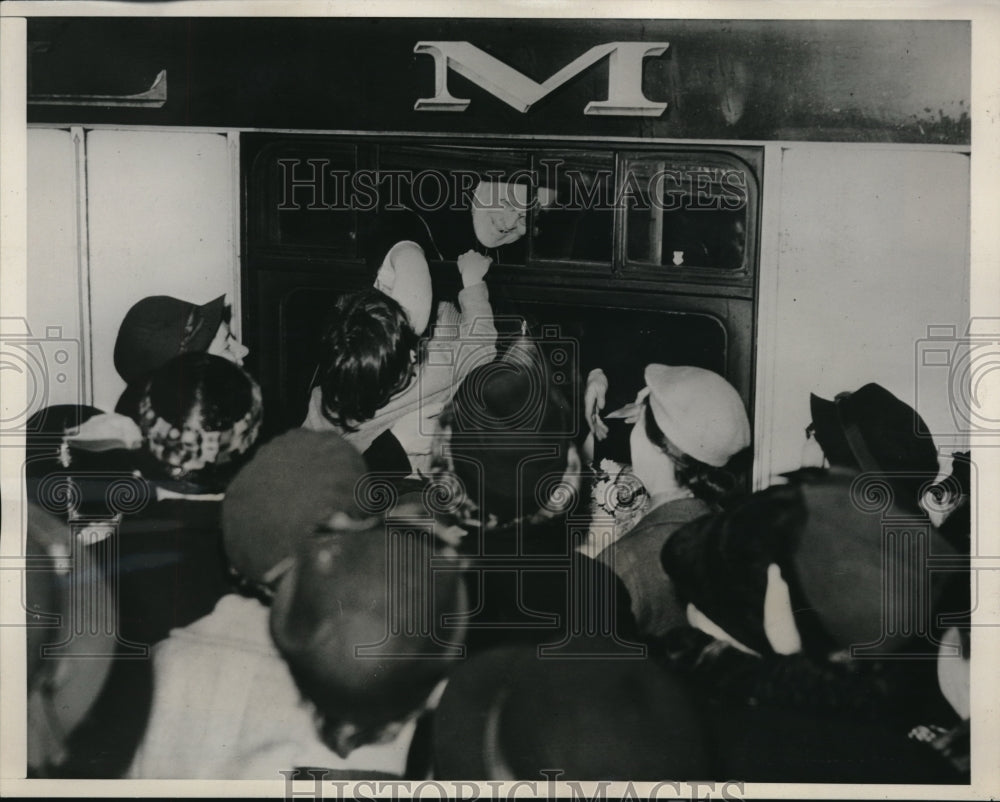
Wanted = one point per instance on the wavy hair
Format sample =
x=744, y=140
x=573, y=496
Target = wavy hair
x=367, y=357
x=712, y=485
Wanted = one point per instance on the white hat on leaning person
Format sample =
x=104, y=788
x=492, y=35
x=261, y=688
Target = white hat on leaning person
x=698, y=411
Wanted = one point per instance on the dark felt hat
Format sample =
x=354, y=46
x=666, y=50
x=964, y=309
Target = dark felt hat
x=511, y=432
x=719, y=562
x=160, y=327
x=508, y=714
x=873, y=430
x=46, y=430
x=292, y=486
x=866, y=575
x=59, y=474
x=855, y=568
x=358, y=618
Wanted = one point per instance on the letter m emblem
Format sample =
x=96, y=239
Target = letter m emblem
x=625, y=96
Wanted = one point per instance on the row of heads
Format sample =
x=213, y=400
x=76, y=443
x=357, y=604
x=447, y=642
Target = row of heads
x=199, y=412
x=296, y=524
x=697, y=411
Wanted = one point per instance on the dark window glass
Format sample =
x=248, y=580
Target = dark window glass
x=686, y=213
x=307, y=198
x=575, y=219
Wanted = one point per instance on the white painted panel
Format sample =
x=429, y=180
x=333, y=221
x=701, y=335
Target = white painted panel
x=54, y=286
x=161, y=210
x=873, y=249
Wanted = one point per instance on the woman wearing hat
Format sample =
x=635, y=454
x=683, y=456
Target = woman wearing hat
x=153, y=486
x=689, y=424
x=159, y=328
x=197, y=420
x=199, y=417
x=401, y=245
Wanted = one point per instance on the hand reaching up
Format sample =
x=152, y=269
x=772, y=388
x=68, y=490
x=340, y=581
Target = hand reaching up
x=473, y=267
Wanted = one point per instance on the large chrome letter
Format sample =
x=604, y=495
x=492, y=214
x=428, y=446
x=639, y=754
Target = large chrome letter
x=625, y=96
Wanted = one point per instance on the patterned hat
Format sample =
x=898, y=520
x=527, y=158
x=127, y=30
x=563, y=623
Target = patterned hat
x=199, y=411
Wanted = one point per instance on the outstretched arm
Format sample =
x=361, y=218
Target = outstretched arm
x=467, y=337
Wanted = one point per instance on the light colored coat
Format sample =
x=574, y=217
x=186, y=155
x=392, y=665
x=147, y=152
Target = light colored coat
x=225, y=707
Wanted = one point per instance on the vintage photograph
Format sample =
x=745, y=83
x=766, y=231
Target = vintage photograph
x=400, y=401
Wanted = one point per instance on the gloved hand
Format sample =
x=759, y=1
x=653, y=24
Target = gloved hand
x=473, y=267
x=593, y=402
x=630, y=412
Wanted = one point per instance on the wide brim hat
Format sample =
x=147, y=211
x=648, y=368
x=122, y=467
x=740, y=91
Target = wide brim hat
x=160, y=327
x=851, y=560
x=864, y=565
x=61, y=473
x=69, y=660
x=875, y=431
x=698, y=411
x=292, y=486
x=719, y=562
x=44, y=434
x=509, y=712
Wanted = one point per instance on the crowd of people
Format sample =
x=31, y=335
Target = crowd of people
x=436, y=576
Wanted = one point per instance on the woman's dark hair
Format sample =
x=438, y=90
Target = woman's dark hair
x=200, y=415
x=367, y=357
x=712, y=485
